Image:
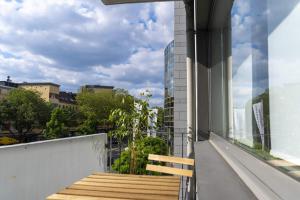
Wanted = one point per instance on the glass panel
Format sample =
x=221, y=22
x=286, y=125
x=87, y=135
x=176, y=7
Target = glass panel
x=284, y=78
x=242, y=79
x=266, y=80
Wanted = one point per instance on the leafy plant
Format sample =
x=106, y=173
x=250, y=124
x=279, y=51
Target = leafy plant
x=55, y=128
x=142, y=148
x=132, y=124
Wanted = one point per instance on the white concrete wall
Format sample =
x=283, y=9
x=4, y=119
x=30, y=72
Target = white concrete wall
x=35, y=170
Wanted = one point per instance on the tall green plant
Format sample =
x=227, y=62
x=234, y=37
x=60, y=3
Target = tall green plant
x=131, y=124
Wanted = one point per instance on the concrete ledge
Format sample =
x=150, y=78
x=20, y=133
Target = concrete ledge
x=36, y=170
x=216, y=180
x=266, y=182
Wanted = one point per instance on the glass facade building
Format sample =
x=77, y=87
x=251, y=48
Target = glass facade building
x=169, y=90
x=255, y=81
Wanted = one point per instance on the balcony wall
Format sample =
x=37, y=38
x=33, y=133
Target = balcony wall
x=35, y=170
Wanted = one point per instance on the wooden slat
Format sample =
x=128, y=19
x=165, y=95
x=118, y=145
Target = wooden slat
x=169, y=170
x=177, y=180
x=76, y=197
x=171, y=159
x=124, y=185
x=117, y=195
x=121, y=187
x=133, y=175
x=124, y=190
x=129, y=182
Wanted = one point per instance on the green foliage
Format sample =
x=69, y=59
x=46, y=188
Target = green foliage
x=96, y=107
x=4, y=111
x=25, y=110
x=55, y=128
x=131, y=123
x=89, y=125
x=142, y=148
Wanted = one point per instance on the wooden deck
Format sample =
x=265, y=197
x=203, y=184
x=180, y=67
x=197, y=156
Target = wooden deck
x=107, y=186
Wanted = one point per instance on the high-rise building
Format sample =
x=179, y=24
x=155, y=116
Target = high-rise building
x=169, y=90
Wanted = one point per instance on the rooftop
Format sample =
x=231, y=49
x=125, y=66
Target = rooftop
x=98, y=86
x=39, y=83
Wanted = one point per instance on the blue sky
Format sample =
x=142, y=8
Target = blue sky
x=75, y=42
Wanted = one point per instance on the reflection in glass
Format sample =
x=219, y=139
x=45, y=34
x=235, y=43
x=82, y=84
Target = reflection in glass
x=266, y=80
x=284, y=78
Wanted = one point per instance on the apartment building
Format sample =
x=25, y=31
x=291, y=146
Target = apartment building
x=51, y=93
x=48, y=91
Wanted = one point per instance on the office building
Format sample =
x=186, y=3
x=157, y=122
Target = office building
x=169, y=92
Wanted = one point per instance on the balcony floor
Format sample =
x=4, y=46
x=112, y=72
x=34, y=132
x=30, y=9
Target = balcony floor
x=215, y=178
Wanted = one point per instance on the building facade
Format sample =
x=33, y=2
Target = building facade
x=51, y=93
x=180, y=82
x=47, y=91
x=169, y=90
x=246, y=77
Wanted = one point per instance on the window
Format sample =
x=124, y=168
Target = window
x=265, y=47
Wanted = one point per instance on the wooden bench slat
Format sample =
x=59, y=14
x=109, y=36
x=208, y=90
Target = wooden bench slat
x=75, y=197
x=177, y=180
x=171, y=159
x=169, y=170
x=124, y=190
x=124, y=185
x=134, y=175
x=139, y=182
x=117, y=195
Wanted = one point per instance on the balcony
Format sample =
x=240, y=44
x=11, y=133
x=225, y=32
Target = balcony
x=33, y=171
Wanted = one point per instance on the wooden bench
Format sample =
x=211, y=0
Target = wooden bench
x=170, y=170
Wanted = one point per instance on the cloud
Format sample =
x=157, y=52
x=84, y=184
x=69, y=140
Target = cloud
x=74, y=42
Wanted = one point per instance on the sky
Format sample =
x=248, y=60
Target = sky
x=77, y=42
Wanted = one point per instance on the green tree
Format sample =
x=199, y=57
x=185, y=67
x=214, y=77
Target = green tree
x=56, y=128
x=132, y=124
x=26, y=110
x=96, y=107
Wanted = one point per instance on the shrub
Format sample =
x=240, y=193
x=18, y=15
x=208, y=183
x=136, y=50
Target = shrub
x=142, y=148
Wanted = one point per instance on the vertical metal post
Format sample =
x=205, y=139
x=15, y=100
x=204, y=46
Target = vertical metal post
x=182, y=195
x=190, y=48
x=196, y=73
x=110, y=152
x=229, y=81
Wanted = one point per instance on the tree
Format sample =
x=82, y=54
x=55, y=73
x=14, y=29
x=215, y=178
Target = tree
x=4, y=112
x=55, y=128
x=26, y=110
x=132, y=124
x=96, y=107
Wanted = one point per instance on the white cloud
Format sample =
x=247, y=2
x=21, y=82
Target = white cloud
x=75, y=42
